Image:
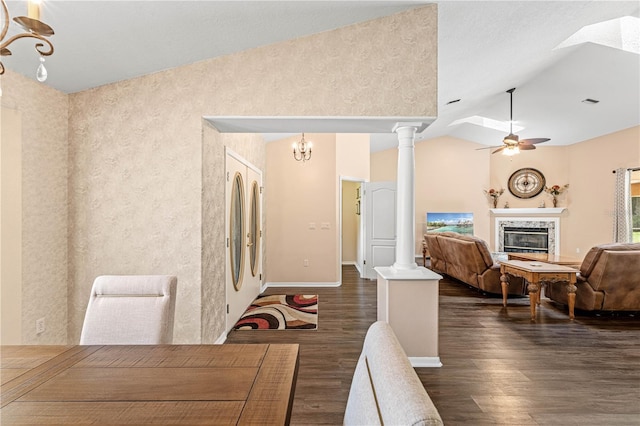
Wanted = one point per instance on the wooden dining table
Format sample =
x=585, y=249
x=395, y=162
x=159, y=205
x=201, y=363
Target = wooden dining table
x=139, y=384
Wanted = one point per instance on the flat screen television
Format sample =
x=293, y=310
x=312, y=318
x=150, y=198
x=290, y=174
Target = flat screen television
x=461, y=223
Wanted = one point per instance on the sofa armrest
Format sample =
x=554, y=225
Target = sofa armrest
x=385, y=387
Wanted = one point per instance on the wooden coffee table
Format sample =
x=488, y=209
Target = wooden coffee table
x=536, y=273
x=546, y=258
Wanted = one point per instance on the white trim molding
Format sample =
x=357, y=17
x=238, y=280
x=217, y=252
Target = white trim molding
x=220, y=340
x=425, y=361
x=536, y=211
x=303, y=285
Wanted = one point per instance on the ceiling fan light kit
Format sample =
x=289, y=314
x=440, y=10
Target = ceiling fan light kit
x=511, y=144
x=511, y=150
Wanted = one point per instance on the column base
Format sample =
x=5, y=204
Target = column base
x=408, y=301
x=404, y=267
x=417, y=273
x=425, y=361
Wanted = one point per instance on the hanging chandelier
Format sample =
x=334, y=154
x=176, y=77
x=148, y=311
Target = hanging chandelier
x=302, y=150
x=34, y=29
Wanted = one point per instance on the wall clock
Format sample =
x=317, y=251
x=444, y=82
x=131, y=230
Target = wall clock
x=526, y=183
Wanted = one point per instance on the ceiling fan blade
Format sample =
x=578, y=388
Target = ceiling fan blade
x=499, y=149
x=488, y=147
x=526, y=147
x=534, y=140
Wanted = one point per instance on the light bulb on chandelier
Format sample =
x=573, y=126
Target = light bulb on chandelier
x=34, y=29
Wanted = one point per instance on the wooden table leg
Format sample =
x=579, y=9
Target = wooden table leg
x=571, y=290
x=533, y=288
x=504, y=282
x=539, y=296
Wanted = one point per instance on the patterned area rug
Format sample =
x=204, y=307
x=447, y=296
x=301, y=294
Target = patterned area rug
x=281, y=312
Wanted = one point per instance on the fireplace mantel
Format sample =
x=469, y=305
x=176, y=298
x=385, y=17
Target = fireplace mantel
x=535, y=211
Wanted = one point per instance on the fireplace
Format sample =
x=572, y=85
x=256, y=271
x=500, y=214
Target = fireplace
x=523, y=234
x=526, y=240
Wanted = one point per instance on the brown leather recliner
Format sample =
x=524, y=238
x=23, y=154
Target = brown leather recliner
x=468, y=259
x=609, y=280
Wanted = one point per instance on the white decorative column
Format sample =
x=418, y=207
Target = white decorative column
x=408, y=294
x=405, y=203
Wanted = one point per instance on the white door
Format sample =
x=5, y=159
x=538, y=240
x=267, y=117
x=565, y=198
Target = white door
x=243, y=226
x=379, y=214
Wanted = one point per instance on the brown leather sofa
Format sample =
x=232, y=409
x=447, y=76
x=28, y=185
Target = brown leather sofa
x=468, y=259
x=609, y=280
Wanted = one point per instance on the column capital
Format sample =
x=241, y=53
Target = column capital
x=410, y=125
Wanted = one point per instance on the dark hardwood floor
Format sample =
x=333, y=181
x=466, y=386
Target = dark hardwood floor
x=499, y=367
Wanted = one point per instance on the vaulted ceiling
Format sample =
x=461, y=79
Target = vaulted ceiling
x=485, y=48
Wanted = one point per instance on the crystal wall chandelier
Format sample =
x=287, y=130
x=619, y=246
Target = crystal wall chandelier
x=34, y=29
x=302, y=150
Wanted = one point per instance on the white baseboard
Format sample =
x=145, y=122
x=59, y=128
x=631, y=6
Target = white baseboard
x=359, y=270
x=348, y=262
x=221, y=339
x=299, y=284
x=425, y=361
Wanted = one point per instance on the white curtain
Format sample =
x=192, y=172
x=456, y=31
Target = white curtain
x=622, y=208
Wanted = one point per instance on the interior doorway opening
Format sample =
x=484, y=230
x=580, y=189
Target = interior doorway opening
x=351, y=224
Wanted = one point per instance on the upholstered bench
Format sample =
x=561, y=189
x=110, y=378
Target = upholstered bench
x=385, y=387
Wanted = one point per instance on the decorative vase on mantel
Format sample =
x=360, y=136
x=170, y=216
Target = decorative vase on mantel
x=555, y=201
x=495, y=202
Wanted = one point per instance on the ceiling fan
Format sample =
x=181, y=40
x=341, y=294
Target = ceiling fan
x=511, y=144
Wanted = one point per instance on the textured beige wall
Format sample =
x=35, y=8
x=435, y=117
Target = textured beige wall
x=353, y=155
x=590, y=197
x=10, y=227
x=383, y=67
x=552, y=161
x=302, y=193
x=132, y=173
x=451, y=176
x=135, y=201
x=45, y=117
x=136, y=149
x=299, y=193
x=384, y=165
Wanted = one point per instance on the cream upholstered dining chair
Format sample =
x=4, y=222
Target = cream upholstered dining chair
x=130, y=310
